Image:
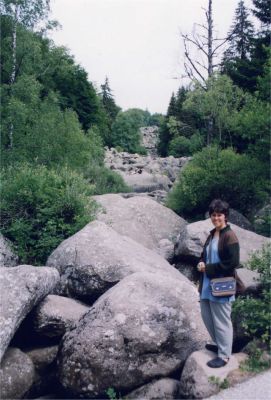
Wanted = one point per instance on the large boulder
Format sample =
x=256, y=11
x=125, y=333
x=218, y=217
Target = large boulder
x=97, y=257
x=57, y=314
x=199, y=381
x=21, y=289
x=7, y=255
x=16, y=374
x=143, y=220
x=193, y=236
x=142, y=328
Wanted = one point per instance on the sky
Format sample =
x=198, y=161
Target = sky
x=135, y=43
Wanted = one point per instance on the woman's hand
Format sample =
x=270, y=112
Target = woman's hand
x=201, y=266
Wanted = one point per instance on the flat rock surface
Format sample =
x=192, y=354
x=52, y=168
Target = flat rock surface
x=256, y=388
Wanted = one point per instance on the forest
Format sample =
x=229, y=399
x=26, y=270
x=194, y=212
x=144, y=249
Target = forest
x=56, y=124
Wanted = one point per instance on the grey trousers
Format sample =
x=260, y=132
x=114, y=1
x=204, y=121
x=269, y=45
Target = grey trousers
x=217, y=319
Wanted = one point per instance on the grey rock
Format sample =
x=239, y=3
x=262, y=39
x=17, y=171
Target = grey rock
x=193, y=236
x=146, y=166
x=163, y=389
x=199, y=381
x=149, y=138
x=97, y=257
x=142, y=328
x=45, y=379
x=16, y=374
x=42, y=357
x=262, y=220
x=188, y=270
x=146, y=182
x=57, y=314
x=7, y=255
x=250, y=280
x=142, y=219
x=21, y=288
x=158, y=195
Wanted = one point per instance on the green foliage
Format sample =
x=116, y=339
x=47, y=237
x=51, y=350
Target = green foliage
x=256, y=361
x=112, y=394
x=42, y=133
x=255, y=311
x=29, y=13
x=41, y=207
x=221, y=384
x=125, y=130
x=156, y=119
x=251, y=126
x=179, y=147
x=104, y=180
x=215, y=173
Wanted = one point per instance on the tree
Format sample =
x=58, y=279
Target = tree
x=206, y=45
x=108, y=101
x=262, y=11
x=236, y=60
x=28, y=13
x=172, y=107
x=241, y=35
x=125, y=130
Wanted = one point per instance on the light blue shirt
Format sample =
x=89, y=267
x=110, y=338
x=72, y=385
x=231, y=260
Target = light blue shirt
x=212, y=257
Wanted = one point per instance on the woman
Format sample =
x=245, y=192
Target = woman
x=220, y=257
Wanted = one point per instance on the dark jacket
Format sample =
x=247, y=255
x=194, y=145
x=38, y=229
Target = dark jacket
x=229, y=254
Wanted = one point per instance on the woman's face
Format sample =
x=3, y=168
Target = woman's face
x=218, y=220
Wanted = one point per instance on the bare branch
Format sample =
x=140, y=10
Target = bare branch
x=192, y=63
x=186, y=37
x=203, y=66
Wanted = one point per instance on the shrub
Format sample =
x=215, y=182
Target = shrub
x=215, y=173
x=255, y=311
x=104, y=180
x=179, y=147
x=41, y=207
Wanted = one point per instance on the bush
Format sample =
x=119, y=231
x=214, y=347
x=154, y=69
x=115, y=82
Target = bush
x=41, y=207
x=179, y=147
x=215, y=173
x=104, y=180
x=255, y=311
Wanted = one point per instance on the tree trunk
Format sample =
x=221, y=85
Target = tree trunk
x=13, y=71
x=210, y=38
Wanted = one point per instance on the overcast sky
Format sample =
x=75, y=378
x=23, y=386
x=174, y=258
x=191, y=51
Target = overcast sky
x=136, y=43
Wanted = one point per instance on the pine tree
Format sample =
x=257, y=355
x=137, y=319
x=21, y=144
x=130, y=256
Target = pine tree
x=262, y=11
x=241, y=34
x=172, y=109
x=108, y=101
x=237, y=58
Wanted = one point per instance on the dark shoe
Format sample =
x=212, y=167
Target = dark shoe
x=211, y=347
x=217, y=363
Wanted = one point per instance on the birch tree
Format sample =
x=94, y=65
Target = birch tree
x=28, y=13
